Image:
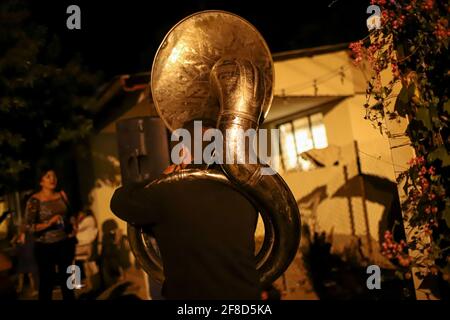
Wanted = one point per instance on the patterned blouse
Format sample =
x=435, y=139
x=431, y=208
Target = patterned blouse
x=41, y=211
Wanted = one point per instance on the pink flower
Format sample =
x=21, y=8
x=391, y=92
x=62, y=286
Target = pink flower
x=428, y=5
x=432, y=170
x=384, y=17
x=399, y=22
x=417, y=161
x=391, y=249
x=441, y=30
x=424, y=184
x=423, y=170
x=357, y=51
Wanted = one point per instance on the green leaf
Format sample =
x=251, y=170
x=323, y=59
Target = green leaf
x=401, y=104
x=411, y=90
x=400, y=50
x=440, y=154
x=447, y=106
x=423, y=115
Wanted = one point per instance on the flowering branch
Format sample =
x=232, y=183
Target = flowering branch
x=412, y=43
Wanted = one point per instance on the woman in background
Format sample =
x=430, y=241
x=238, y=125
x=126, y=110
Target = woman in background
x=86, y=254
x=48, y=217
x=26, y=263
x=87, y=228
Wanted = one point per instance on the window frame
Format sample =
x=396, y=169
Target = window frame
x=291, y=121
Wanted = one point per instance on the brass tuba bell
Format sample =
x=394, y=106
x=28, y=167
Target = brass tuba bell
x=216, y=67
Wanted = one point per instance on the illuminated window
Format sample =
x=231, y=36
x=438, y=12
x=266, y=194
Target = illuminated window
x=298, y=136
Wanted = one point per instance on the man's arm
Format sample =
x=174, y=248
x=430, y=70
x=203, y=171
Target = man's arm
x=136, y=204
x=4, y=215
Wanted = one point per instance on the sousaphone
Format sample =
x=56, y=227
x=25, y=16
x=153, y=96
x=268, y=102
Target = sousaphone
x=214, y=66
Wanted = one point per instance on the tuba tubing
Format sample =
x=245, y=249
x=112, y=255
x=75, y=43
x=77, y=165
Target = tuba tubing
x=239, y=88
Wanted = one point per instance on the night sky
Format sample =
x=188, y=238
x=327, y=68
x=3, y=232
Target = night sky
x=119, y=37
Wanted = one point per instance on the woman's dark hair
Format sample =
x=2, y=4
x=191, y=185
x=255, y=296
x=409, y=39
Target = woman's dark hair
x=41, y=172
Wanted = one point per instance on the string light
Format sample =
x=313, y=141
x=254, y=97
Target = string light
x=379, y=159
x=339, y=72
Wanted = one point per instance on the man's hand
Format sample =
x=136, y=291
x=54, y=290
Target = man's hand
x=186, y=158
x=174, y=168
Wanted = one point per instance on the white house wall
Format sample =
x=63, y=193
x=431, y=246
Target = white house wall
x=296, y=76
x=344, y=124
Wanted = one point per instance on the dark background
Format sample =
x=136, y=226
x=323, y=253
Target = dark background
x=119, y=37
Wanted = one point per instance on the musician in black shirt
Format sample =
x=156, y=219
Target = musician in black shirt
x=205, y=232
